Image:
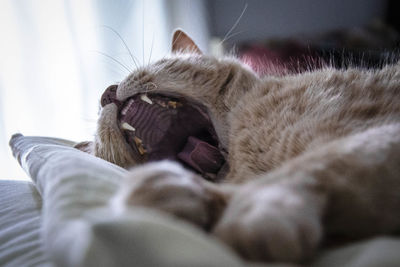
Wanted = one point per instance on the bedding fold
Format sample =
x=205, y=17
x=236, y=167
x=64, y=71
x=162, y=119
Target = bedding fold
x=80, y=229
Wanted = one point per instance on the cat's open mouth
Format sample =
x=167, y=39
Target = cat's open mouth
x=159, y=127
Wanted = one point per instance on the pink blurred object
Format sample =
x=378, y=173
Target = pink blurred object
x=279, y=58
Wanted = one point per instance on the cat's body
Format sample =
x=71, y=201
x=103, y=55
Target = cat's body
x=311, y=156
x=284, y=117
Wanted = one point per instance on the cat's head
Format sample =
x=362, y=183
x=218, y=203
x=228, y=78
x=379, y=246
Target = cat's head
x=210, y=86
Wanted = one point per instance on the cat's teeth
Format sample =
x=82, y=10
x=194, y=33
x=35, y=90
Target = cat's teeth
x=145, y=98
x=139, y=145
x=127, y=107
x=128, y=127
x=172, y=104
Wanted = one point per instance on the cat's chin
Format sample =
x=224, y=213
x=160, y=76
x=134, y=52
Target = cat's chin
x=159, y=126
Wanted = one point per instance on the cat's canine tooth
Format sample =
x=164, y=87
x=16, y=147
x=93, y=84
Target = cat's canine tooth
x=128, y=127
x=145, y=98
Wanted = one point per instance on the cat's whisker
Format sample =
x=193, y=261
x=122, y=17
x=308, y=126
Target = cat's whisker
x=115, y=69
x=155, y=87
x=113, y=59
x=124, y=43
x=232, y=35
x=143, y=32
x=151, y=48
x=235, y=24
x=147, y=89
x=89, y=120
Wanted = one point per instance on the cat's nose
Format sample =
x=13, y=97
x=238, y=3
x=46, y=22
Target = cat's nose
x=110, y=96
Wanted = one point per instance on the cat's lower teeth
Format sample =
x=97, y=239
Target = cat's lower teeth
x=172, y=104
x=139, y=145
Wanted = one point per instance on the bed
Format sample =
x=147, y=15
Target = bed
x=63, y=218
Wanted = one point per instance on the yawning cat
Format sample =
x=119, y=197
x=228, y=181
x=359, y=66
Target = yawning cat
x=293, y=160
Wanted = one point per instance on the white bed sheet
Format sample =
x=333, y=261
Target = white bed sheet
x=20, y=220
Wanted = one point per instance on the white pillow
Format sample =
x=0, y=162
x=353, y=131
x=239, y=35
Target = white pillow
x=79, y=229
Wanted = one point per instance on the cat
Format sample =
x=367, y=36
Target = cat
x=309, y=157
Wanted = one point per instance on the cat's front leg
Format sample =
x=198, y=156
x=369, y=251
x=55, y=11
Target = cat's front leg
x=168, y=187
x=352, y=182
x=279, y=222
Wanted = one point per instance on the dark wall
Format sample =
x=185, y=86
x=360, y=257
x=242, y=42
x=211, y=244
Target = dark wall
x=282, y=18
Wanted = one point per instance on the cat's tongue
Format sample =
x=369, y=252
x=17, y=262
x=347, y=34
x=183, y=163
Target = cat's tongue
x=159, y=127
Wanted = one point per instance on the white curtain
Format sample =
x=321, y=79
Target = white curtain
x=57, y=57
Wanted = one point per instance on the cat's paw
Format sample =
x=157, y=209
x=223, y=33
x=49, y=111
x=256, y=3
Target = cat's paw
x=272, y=223
x=167, y=187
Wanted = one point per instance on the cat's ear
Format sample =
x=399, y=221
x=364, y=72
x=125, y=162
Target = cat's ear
x=181, y=42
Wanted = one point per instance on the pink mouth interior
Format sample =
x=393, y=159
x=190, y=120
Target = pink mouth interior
x=162, y=127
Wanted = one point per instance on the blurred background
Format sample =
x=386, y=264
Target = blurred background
x=58, y=56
